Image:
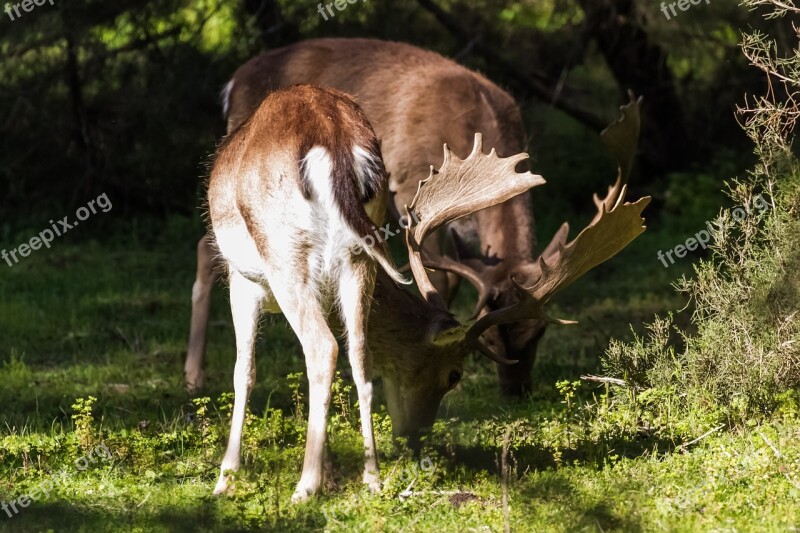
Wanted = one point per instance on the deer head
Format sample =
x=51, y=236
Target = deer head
x=419, y=347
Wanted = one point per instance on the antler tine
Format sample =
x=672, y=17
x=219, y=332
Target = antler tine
x=621, y=139
x=493, y=356
x=558, y=241
x=440, y=262
x=460, y=188
x=615, y=226
x=611, y=198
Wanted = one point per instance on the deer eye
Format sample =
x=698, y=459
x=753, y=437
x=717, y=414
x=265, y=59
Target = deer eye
x=454, y=378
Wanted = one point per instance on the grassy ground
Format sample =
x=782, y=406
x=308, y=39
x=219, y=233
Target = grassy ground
x=110, y=320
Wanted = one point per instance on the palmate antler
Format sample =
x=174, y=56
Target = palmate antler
x=612, y=231
x=451, y=193
x=460, y=188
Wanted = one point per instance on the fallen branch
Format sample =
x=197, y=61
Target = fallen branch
x=145, y=499
x=603, y=379
x=777, y=453
x=682, y=447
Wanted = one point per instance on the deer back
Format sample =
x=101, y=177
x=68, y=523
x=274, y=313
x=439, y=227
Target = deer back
x=416, y=100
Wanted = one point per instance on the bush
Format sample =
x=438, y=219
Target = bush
x=744, y=352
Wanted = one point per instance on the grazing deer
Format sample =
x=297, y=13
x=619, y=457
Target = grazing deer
x=416, y=101
x=292, y=191
x=263, y=195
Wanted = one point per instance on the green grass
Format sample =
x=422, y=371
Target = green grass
x=110, y=320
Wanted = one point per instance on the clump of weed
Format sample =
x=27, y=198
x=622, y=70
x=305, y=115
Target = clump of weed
x=295, y=380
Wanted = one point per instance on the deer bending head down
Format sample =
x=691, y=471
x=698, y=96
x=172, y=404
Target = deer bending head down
x=289, y=192
x=461, y=188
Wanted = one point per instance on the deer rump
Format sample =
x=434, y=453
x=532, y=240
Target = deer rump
x=321, y=137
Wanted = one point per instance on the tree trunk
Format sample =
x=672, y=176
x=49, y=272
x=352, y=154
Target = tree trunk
x=641, y=66
x=83, y=135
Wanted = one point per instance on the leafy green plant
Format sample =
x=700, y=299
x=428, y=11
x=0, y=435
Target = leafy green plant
x=209, y=432
x=295, y=381
x=84, y=421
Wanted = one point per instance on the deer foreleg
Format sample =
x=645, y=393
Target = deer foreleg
x=201, y=306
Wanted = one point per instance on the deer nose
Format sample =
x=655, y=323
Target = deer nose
x=414, y=425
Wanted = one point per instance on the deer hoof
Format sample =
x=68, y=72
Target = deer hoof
x=372, y=482
x=194, y=381
x=301, y=495
x=307, y=487
x=223, y=486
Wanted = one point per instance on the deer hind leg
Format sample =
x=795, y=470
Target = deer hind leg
x=207, y=274
x=246, y=300
x=356, y=283
x=301, y=307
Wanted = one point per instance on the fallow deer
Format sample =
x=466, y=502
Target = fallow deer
x=291, y=192
x=416, y=101
x=417, y=348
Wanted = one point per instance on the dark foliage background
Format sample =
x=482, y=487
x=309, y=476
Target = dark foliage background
x=122, y=97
